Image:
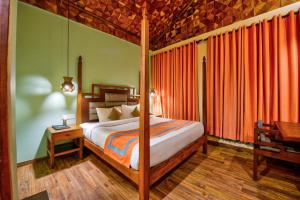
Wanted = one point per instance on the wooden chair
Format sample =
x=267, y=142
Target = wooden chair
x=268, y=143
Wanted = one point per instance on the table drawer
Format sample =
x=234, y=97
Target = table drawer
x=68, y=135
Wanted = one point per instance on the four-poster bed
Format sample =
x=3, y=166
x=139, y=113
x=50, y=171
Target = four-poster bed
x=88, y=101
x=86, y=113
x=145, y=176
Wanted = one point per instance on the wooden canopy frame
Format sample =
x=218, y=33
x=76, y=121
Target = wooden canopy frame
x=145, y=176
x=7, y=181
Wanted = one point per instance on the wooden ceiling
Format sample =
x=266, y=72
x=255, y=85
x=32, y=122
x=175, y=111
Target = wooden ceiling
x=170, y=20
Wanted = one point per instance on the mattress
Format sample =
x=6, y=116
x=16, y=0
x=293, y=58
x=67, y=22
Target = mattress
x=161, y=148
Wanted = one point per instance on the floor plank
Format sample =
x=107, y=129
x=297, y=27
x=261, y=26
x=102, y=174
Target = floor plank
x=225, y=173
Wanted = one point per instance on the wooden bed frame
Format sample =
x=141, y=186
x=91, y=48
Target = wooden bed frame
x=145, y=176
x=157, y=171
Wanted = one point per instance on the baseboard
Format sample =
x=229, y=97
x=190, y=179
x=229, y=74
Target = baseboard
x=229, y=143
x=21, y=164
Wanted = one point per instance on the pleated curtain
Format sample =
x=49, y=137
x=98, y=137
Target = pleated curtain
x=253, y=73
x=175, y=80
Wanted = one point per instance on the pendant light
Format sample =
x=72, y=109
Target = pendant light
x=67, y=85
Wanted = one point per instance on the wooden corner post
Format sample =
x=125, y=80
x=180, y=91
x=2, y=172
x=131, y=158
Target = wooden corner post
x=144, y=138
x=6, y=174
x=79, y=94
x=204, y=104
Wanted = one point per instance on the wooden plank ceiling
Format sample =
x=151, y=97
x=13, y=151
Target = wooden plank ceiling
x=170, y=20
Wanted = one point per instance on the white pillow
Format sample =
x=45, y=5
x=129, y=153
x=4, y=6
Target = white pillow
x=127, y=111
x=103, y=114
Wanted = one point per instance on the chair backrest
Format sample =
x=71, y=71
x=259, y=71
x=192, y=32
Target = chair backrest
x=260, y=123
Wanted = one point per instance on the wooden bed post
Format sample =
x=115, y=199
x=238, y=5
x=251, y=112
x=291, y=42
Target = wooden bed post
x=79, y=95
x=204, y=105
x=6, y=173
x=144, y=138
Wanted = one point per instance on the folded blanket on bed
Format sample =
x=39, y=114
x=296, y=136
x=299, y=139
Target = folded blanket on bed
x=119, y=145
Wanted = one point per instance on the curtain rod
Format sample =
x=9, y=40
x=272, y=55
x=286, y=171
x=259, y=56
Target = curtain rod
x=284, y=16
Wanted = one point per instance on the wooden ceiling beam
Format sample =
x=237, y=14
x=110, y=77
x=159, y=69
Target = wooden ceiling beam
x=59, y=7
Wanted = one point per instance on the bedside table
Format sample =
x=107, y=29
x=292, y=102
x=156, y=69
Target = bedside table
x=156, y=115
x=54, y=136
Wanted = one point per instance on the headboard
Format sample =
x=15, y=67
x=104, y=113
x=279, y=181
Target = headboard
x=102, y=96
x=108, y=96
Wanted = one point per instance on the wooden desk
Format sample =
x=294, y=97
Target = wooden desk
x=290, y=132
x=286, y=147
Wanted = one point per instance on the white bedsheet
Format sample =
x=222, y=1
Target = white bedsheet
x=161, y=148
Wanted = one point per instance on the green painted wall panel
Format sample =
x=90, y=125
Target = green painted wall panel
x=41, y=64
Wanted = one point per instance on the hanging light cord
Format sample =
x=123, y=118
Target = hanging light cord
x=68, y=48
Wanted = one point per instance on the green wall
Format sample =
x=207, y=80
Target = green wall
x=41, y=64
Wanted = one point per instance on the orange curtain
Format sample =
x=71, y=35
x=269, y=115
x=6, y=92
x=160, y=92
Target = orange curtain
x=253, y=73
x=175, y=80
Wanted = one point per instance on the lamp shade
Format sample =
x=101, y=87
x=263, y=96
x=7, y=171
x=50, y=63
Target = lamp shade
x=67, y=85
x=152, y=92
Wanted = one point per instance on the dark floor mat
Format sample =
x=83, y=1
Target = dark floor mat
x=39, y=196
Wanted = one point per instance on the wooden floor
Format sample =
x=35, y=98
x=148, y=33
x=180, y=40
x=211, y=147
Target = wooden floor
x=224, y=174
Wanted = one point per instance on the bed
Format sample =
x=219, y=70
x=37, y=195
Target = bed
x=173, y=142
x=166, y=151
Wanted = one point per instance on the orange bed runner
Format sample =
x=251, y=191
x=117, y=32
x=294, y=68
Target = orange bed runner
x=119, y=145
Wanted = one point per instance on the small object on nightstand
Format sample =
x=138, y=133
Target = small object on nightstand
x=66, y=118
x=54, y=136
x=60, y=127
